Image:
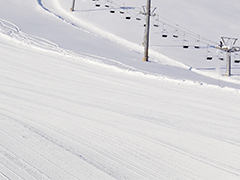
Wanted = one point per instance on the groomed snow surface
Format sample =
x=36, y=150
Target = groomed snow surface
x=78, y=102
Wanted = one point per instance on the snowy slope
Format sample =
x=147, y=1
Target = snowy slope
x=77, y=102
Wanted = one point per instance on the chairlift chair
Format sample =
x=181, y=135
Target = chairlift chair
x=237, y=58
x=156, y=23
x=138, y=18
x=197, y=44
x=164, y=33
x=128, y=17
x=221, y=56
x=185, y=44
x=122, y=9
x=107, y=4
x=112, y=11
x=97, y=4
x=209, y=56
x=175, y=34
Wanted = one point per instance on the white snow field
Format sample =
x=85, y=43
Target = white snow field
x=78, y=102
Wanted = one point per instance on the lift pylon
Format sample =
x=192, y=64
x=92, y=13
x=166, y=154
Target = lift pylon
x=227, y=45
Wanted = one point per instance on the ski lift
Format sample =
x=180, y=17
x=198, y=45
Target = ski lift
x=175, y=32
x=237, y=58
x=185, y=43
x=221, y=56
x=107, y=4
x=128, y=17
x=138, y=18
x=97, y=4
x=112, y=10
x=209, y=55
x=122, y=11
x=197, y=43
x=164, y=32
x=156, y=23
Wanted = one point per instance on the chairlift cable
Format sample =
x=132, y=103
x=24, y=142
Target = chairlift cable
x=134, y=11
x=186, y=31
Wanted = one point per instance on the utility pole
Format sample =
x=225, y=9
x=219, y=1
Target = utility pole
x=147, y=28
x=73, y=4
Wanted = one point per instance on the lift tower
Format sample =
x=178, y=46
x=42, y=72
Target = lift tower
x=227, y=45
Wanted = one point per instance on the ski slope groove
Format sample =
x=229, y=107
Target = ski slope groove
x=67, y=115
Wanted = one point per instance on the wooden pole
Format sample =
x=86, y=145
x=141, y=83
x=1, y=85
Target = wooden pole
x=73, y=4
x=147, y=28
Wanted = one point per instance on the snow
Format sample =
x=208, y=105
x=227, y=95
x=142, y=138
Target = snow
x=78, y=102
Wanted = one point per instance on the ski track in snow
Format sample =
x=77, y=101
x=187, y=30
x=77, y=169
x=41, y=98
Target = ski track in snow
x=12, y=31
x=117, y=156
x=98, y=152
x=88, y=150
